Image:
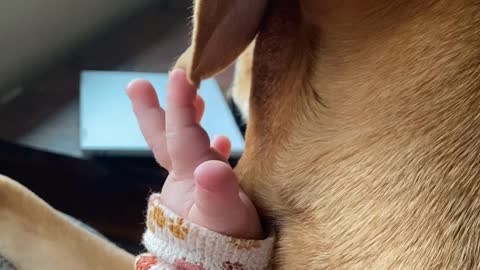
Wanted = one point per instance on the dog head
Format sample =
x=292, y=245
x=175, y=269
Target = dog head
x=362, y=120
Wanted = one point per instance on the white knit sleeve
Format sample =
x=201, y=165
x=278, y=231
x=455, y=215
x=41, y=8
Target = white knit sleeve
x=174, y=243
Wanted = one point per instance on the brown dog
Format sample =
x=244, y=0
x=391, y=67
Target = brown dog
x=363, y=143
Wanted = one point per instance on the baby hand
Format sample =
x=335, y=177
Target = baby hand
x=201, y=186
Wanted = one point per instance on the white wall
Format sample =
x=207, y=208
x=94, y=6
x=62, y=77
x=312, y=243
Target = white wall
x=33, y=33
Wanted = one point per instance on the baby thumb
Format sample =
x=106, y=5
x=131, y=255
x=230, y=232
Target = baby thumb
x=217, y=197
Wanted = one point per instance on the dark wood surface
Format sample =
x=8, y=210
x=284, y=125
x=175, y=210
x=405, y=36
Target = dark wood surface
x=39, y=143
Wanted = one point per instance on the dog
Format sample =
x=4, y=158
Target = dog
x=363, y=138
x=362, y=145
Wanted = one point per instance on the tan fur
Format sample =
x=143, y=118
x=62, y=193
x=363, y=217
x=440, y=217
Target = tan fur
x=213, y=21
x=242, y=80
x=35, y=236
x=363, y=144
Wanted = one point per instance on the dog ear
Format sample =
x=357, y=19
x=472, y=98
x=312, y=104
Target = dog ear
x=222, y=31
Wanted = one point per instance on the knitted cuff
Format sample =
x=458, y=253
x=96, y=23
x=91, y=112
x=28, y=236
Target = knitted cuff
x=176, y=241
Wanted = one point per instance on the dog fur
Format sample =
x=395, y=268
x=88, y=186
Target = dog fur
x=363, y=138
x=35, y=236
